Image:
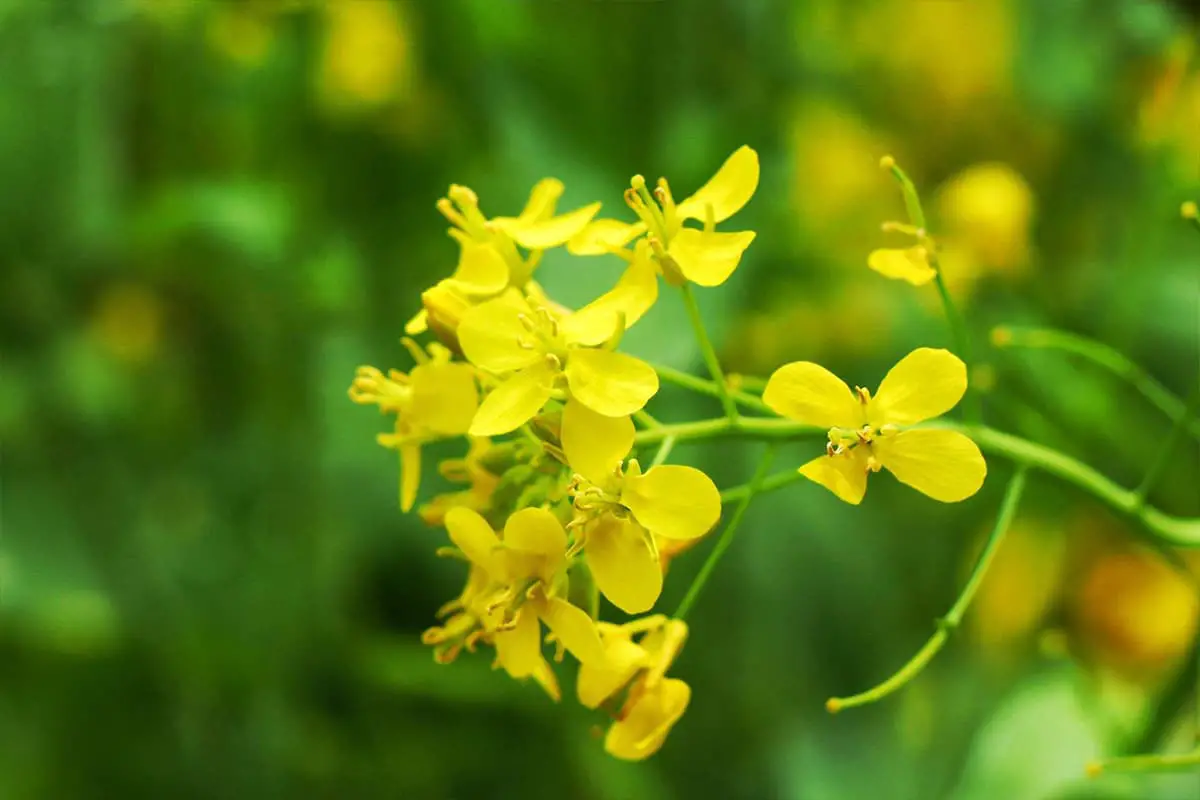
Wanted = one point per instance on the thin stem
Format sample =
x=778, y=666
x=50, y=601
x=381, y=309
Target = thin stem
x=664, y=451
x=1151, y=763
x=1102, y=356
x=702, y=386
x=769, y=484
x=710, y=564
x=642, y=416
x=1162, y=528
x=707, y=351
x=972, y=407
x=947, y=624
x=1168, y=446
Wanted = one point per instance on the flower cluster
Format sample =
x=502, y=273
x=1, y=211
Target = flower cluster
x=555, y=510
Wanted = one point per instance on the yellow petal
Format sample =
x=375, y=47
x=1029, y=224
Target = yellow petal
x=728, y=190
x=613, y=384
x=410, y=474
x=536, y=531
x=634, y=295
x=809, y=393
x=646, y=724
x=491, y=333
x=595, y=444
x=573, y=627
x=444, y=397
x=418, y=324
x=922, y=385
x=845, y=475
x=602, y=235
x=548, y=232
x=673, y=501
x=910, y=265
x=542, y=200
x=945, y=465
x=481, y=270
x=708, y=259
x=599, y=681
x=624, y=564
x=546, y=678
x=514, y=402
x=519, y=650
x=471, y=533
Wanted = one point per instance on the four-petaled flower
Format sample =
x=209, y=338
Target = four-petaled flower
x=527, y=583
x=436, y=399
x=653, y=703
x=700, y=255
x=866, y=433
x=620, y=510
x=533, y=345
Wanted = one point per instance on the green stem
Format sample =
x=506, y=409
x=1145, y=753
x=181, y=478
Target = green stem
x=701, y=386
x=707, y=351
x=1182, y=423
x=972, y=407
x=643, y=417
x=1166, y=529
x=664, y=451
x=947, y=624
x=769, y=484
x=710, y=564
x=1102, y=356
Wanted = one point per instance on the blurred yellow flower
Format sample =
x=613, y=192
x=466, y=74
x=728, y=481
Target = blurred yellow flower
x=1169, y=114
x=437, y=398
x=1135, y=614
x=367, y=60
x=534, y=347
x=620, y=511
x=653, y=703
x=1022, y=584
x=701, y=256
x=987, y=211
x=867, y=433
x=127, y=322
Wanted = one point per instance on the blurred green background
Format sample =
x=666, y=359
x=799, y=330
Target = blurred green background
x=212, y=212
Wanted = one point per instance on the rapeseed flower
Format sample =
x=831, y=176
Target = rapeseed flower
x=534, y=346
x=620, y=510
x=438, y=398
x=700, y=255
x=653, y=703
x=867, y=433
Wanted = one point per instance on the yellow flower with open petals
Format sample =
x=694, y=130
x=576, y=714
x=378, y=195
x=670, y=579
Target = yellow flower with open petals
x=534, y=346
x=527, y=575
x=700, y=255
x=489, y=261
x=867, y=433
x=438, y=398
x=653, y=702
x=620, y=510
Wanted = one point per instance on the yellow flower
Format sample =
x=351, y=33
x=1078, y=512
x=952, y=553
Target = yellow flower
x=469, y=470
x=907, y=264
x=986, y=211
x=368, y=57
x=535, y=346
x=867, y=432
x=489, y=261
x=437, y=399
x=620, y=511
x=527, y=578
x=699, y=255
x=653, y=702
